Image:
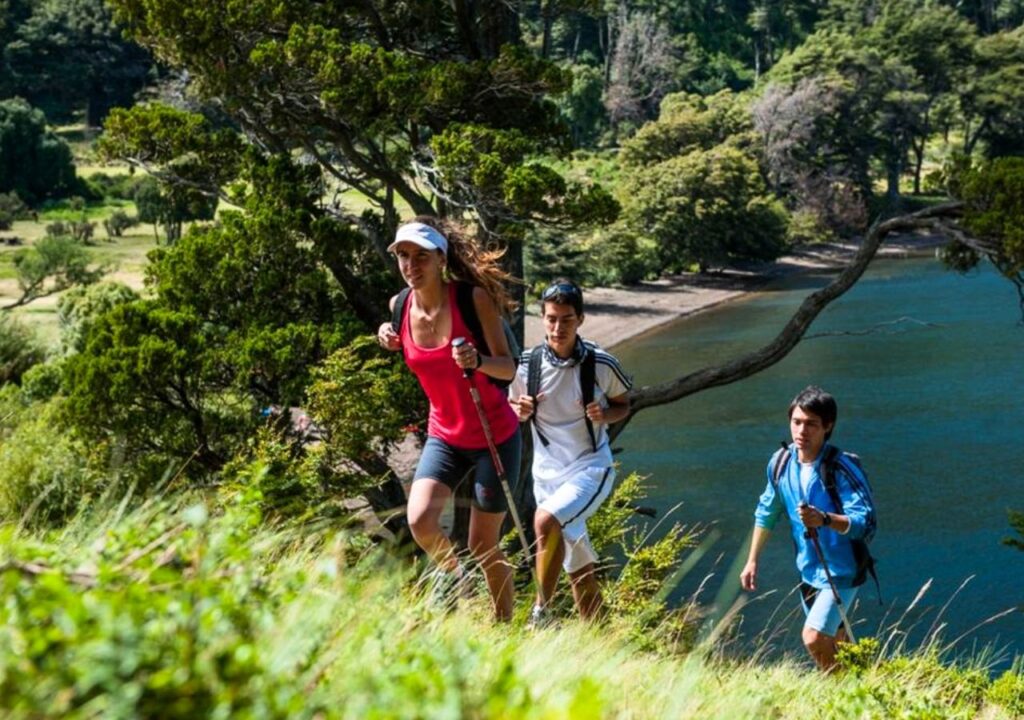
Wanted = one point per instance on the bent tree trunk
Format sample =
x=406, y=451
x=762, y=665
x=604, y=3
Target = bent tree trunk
x=937, y=219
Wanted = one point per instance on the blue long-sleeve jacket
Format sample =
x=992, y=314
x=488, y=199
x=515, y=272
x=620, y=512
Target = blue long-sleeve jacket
x=852, y=486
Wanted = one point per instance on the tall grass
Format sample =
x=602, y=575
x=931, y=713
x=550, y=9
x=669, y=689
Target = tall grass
x=191, y=606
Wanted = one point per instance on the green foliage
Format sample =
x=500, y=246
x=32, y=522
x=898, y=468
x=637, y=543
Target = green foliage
x=1017, y=523
x=619, y=255
x=994, y=197
x=640, y=591
x=1007, y=691
x=46, y=471
x=68, y=57
x=11, y=209
x=34, y=162
x=860, y=656
x=992, y=97
x=241, y=311
x=170, y=208
x=362, y=401
x=550, y=256
x=688, y=122
x=705, y=207
x=78, y=308
x=118, y=222
x=582, y=105
x=807, y=227
x=281, y=477
x=19, y=349
x=80, y=231
x=51, y=265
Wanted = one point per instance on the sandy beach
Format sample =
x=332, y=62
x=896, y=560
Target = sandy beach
x=614, y=315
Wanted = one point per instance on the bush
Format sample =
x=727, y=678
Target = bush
x=19, y=349
x=705, y=207
x=45, y=470
x=118, y=222
x=807, y=227
x=619, y=256
x=11, y=209
x=78, y=308
x=1008, y=692
x=115, y=187
x=78, y=230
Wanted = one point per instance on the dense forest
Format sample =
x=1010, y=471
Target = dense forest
x=275, y=147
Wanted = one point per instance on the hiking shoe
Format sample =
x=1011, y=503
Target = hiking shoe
x=539, y=618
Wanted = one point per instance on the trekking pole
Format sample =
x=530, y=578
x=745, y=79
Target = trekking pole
x=812, y=535
x=499, y=468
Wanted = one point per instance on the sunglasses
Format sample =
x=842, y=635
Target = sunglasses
x=561, y=289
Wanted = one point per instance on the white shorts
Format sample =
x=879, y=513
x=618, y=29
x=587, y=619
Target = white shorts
x=572, y=501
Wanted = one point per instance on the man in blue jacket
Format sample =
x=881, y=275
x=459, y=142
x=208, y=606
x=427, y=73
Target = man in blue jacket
x=797, y=486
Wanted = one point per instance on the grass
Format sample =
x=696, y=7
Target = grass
x=201, y=607
x=124, y=256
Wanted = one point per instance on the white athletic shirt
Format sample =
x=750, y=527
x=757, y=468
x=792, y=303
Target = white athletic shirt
x=560, y=416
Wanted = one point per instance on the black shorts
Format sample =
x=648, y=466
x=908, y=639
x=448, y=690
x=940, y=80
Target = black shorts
x=447, y=464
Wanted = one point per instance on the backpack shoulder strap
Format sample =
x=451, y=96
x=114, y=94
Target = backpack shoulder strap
x=781, y=459
x=398, y=311
x=829, y=465
x=533, y=370
x=588, y=380
x=862, y=555
x=467, y=309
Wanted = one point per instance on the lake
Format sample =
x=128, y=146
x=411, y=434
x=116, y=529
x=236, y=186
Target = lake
x=933, y=404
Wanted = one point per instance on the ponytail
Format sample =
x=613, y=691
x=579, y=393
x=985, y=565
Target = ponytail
x=470, y=263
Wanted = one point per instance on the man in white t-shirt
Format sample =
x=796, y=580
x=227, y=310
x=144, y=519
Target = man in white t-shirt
x=579, y=390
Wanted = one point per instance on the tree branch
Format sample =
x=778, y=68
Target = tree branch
x=932, y=218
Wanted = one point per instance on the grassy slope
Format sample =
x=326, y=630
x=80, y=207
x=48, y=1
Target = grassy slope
x=196, y=616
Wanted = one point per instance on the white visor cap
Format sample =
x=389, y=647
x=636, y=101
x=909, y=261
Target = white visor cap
x=422, y=235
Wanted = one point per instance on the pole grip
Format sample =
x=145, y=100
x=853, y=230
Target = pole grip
x=457, y=343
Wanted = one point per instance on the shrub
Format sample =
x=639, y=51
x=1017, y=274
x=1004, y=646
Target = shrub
x=78, y=308
x=11, y=208
x=705, y=207
x=46, y=471
x=19, y=349
x=118, y=222
x=1008, y=691
x=807, y=227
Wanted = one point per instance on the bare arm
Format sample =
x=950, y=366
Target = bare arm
x=748, y=578
x=499, y=364
x=618, y=409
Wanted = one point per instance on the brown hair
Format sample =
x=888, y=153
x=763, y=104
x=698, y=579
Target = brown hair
x=472, y=263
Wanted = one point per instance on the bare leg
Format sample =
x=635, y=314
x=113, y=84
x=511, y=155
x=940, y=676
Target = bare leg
x=586, y=592
x=822, y=647
x=426, y=501
x=550, y=554
x=484, y=532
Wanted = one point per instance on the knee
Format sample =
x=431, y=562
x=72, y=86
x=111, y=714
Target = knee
x=816, y=641
x=423, y=524
x=545, y=524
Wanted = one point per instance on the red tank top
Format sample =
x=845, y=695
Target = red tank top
x=453, y=416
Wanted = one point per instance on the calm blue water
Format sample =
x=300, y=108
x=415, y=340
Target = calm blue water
x=936, y=412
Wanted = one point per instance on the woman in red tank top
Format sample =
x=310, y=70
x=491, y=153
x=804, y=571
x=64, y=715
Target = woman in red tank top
x=432, y=255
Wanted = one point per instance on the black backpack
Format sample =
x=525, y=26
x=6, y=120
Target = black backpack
x=588, y=381
x=831, y=466
x=464, y=301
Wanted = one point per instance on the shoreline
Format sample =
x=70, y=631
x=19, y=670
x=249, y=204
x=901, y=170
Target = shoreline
x=615, y=315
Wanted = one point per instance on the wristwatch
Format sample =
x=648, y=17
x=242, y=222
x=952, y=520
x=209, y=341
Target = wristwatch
x=826, y=519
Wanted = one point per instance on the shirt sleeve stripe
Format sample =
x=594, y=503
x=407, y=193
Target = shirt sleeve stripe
x=605, y=359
